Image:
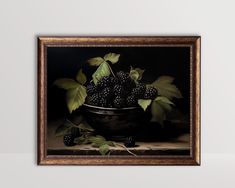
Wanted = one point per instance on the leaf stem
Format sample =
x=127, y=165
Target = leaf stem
x=125, y=148
x=111, y=70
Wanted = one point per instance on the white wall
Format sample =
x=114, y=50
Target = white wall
x=20, y=23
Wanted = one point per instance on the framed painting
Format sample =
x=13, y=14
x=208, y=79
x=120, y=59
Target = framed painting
x=119, y=100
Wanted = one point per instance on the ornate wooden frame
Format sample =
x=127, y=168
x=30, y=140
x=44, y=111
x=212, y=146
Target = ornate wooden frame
x=194, y=42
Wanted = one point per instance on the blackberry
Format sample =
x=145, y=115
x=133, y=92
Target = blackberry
x=114, y=81
x=69, y=140
x=139, y=91
x=124, y=78
x=141, y=86
x=130, y=141
x=103, y=102
x=131, y=101
x=119, y=102
x=94, y=99
x=150, y=93
x=119, y=90
x=91, y=89
x=103, y=83
x=106, y=93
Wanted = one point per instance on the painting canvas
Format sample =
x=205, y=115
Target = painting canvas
x=119, y=100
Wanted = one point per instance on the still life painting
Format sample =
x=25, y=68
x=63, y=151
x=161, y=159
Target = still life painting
x=119, y=100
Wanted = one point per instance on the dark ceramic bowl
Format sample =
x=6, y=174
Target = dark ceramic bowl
x=115, y=121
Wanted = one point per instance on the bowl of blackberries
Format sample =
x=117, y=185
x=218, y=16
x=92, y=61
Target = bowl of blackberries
x=111, y=105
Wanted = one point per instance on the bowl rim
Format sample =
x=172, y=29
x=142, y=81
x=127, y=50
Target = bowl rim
x=111, y=109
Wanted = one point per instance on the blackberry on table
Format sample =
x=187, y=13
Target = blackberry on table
x=119, y=102
x=91, y=89
x=103, y=83
x=106, y=93
x=69, y=140
x=150, y=93
x=130, y=141
x=131, y=101
x=94, y=99
x=119, y=90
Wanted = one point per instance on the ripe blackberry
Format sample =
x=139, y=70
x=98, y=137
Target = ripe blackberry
x=124, y=78
x=114, y=81
x=106, y=93
x=119, y=90
x=130, y=141
x=68, y=140
x=141, y=86
x=94, y=99
x=150, y=93
x=91, y=89
x=139, y=91
x=131, y=101
x=103, y=83
x=119, y=102
x=103, y=102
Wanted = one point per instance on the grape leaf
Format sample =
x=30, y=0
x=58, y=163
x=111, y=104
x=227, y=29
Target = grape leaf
x=112, y=57
x=66, y=83
x=104, y=149
x=96, y=61
x=136, y=73
x=81, y=77
x=165, y=87
x=102, y=70
x=144, y=103
x=75, y=97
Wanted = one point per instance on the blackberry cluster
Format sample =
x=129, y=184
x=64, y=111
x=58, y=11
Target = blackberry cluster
x=150, y=93
x=118, y=91
x=103, y=83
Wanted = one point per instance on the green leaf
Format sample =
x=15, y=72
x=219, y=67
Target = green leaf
x=96, y=139
x=164, y=100
x=144, y=103
x=66, y=83
x=160, y=107
x=81, y=77
x=158, y=113
x=96, y=61
x=136, y=73
x=75, y=97
x=81, y=140
x=104, y=149
x=165, y=87
x=112, y=57
x=84, y=126
x=63, y=129
x=102, y=70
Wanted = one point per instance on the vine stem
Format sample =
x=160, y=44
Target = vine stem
x=125, y=148
x=111, y=70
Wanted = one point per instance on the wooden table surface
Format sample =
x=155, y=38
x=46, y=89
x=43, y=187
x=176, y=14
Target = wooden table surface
x=180, y=145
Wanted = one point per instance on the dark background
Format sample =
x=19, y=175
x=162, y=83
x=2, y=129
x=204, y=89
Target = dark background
x=64, y=62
